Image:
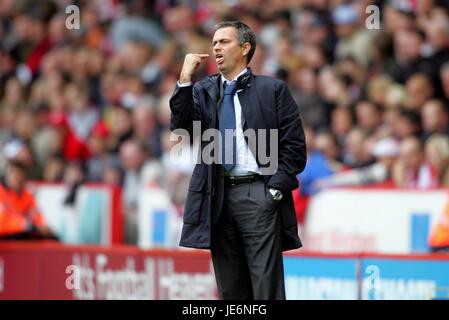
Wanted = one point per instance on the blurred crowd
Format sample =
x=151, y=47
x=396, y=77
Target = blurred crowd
x=90, y=104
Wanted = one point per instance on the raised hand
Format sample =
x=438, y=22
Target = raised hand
x=191, y=63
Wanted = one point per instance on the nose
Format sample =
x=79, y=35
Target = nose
x=217, y=48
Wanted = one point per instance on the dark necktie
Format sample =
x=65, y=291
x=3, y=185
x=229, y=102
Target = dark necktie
x=227, y=121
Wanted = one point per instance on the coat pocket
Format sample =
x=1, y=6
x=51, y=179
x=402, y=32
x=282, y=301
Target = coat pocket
x=192, y=210
x=198, y=179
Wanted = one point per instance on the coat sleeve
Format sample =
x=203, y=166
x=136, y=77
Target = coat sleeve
x=184, y=108
x=292, y=154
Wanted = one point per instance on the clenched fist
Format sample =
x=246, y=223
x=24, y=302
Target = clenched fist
x=191, y=62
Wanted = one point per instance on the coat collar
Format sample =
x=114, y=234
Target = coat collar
x=213, y=84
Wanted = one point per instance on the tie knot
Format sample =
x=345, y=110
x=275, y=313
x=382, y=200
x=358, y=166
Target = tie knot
x=230, y=88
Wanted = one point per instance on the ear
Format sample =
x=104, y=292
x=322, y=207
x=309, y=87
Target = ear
x=246, y=47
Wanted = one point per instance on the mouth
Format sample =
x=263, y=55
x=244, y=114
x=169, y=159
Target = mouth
x=219, y=58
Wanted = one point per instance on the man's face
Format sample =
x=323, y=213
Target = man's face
x=230, y=56
x=15, y=177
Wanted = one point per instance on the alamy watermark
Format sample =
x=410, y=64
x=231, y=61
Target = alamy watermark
x=72, y=22
x=372, y=22
x=265, y=141
x=372, y=281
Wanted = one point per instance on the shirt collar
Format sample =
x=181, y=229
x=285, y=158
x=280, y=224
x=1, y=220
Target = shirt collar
x=223, y=79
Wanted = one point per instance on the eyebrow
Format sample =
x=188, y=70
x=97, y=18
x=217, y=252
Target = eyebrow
x=221, y=40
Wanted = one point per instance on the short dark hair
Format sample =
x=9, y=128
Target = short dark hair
x=244, y=34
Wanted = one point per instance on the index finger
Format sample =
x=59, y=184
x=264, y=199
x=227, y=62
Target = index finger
x=203, y=55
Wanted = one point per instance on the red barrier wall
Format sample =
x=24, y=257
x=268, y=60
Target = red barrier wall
x=49, y=270
x=54, y=271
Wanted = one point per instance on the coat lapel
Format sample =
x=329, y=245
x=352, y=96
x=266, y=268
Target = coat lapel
x=249, y=103
x=212, y=89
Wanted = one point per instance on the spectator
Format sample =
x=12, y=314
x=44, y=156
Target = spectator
x=139, y=172
x=435, y=118
x=341, y=123
x=408, y=123
x=408, y=57
x=437, y=34
x=179, y=166
x=353, y=42
x=419, y=90
x=317, y=166
x=437, y=155
x=100, y=159
x=385, y=152
x=326, y=143
x=368, y=115
x=313, y=109
x=411, y=170
x=146, y=127
x=53, y=169
x=19, y=216
x=355, y=153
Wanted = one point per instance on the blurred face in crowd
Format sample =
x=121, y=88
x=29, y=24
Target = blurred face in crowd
x=395, y=96
x=283, y=47
x=131, y=155
x=437, y=151
x=230, y=56
x=314, y=57
x=317, y=34
x=396, y=20
x=405, y=126
x=390, y=118
x=56, y=28
x=325, y=143
x=424, y=6
x=419, y=90
x=368, y=116
x=133, y=56
x=407, y=45
x=143, y=120
x=329, y=86
x=15, y=177
x=307, y=80
x=341, y=121
x=24, y=125
x=434, y=117
x=411, y=154
x=53, y=170
x=414, y=43
x=121, y=120
x=355, y=146
x=437, y=32
x=377, y=88
x=110, y=175
x=97, y=144
x=76, y=98
x=352, y=70
x=13, y=92
x=400, y=45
